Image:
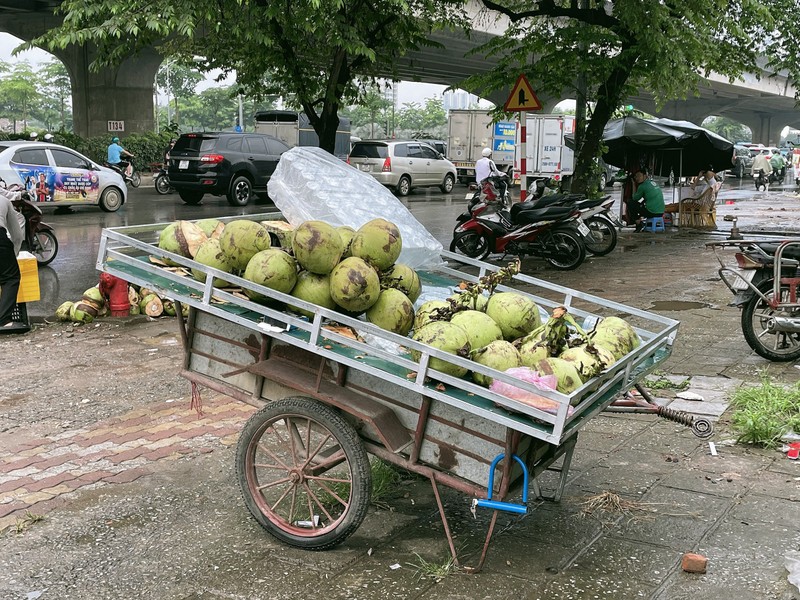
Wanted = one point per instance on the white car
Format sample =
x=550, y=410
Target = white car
x=58, y=176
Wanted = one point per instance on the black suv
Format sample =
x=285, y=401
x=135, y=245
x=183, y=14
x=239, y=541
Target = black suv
x=235, y=165
x=742, y=161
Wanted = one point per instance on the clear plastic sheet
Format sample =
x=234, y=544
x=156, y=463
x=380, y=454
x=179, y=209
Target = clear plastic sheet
x=310, y=184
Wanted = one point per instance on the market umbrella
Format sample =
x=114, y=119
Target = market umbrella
x=629, y=138
x=700, y=148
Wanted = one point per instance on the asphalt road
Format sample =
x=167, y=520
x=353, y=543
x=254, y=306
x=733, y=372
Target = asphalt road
x=73, y=270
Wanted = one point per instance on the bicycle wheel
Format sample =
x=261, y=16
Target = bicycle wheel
x=602, y=237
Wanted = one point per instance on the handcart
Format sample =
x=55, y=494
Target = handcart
x=328, y=398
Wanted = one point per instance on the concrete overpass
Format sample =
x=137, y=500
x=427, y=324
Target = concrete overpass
x=125, y=93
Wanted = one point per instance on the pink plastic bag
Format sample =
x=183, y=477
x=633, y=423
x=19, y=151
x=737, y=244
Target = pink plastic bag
x=543, y=382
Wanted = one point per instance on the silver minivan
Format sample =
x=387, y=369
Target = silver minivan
x=402, y=165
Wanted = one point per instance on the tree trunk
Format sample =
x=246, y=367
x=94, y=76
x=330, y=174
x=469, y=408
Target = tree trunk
x=607, y=102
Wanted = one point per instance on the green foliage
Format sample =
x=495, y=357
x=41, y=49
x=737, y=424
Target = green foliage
x=728, y=128
x=18, y=92
x=762, y=414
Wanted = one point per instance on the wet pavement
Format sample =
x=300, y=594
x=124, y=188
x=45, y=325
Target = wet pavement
x=141, y=498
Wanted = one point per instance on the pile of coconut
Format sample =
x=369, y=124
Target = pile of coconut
x=355, y=272
x=93, y=305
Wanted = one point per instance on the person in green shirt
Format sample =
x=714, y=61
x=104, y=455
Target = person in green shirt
x=647, y=200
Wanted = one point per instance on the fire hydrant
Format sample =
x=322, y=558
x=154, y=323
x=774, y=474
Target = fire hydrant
x=116, y=291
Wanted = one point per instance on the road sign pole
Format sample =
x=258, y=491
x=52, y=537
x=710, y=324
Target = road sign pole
x=523, y=156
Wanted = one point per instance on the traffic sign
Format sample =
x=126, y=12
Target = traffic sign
x=522, y=97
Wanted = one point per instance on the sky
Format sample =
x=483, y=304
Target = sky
x=407, y=91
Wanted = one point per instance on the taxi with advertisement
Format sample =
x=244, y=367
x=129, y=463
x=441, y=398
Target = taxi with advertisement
x=58, y=176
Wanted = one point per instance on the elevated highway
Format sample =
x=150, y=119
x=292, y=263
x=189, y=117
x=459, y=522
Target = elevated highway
x=764, y=102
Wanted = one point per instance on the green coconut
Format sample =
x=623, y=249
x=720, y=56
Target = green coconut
x=272, y=268
x=447, y=337
x=241, y=240
x=427, y=312
x=393, y=312
x=405, y=279
x=317, y=246
x=481, y=330
x=472, y=302
x=346, y=233
x=211, y=227
x=590, y=360
x=169, y=308
x=378, y=242
x=63, y=311
x=517, y=315
x=182, y=237
x=315, y=289
x=616, y=335
x=355, y=285
x=93, y=295
x=211, y=255
x=532, y=350
x=500, y=355
x=151, y=305
x=566, y=373
x=135, y=310
x=77, y=314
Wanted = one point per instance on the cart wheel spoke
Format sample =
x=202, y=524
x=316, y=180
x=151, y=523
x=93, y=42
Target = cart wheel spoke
x=313, y=497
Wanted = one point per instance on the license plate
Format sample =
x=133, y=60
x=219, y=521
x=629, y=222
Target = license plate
x=583, y=228
x=739, y=282
x=469, y=196
x=365, y=168
x=184, y=164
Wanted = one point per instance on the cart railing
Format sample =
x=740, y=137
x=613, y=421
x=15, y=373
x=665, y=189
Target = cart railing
x=127, y=252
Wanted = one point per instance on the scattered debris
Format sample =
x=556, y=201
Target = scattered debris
x=694, y=563
x=712, y=448
x=689, y=396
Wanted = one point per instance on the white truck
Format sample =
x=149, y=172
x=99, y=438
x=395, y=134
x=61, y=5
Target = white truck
x=294, y=129
x=469, y=132
x=546, y=152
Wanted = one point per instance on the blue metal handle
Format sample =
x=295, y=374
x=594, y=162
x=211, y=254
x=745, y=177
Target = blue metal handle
x=505, y=506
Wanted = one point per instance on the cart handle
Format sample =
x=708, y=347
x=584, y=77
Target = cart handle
x=511, y=507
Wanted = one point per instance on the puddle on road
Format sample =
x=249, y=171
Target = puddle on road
x=675, y=305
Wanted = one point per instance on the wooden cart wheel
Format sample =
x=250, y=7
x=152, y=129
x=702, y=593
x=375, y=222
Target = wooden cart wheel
x=304, y=473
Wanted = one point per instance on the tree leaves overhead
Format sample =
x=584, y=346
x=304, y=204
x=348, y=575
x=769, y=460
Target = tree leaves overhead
x=313, y=50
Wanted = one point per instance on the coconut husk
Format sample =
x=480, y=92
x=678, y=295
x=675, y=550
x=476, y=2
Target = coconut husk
x=133, y=296
x=282, y=230
x=153, y=306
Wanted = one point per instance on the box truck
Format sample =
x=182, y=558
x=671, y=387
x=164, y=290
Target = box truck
x=546, y=152
x=294, y=129
x=469, y=132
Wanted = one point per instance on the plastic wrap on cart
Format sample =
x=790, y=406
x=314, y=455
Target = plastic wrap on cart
x=310, y=184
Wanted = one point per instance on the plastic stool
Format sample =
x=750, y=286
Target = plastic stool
x=654, y=224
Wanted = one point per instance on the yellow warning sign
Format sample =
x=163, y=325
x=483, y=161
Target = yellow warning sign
x=522, y=97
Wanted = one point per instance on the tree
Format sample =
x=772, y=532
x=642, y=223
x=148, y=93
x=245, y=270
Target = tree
x=178, y=81
x=728, y=128
x=317, y=51
x=212, y=109
x=618, y=47
x=56, y=93
x=18, y=91
x=372, y=116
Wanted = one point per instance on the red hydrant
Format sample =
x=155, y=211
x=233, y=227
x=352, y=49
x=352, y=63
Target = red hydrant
x=115, y=290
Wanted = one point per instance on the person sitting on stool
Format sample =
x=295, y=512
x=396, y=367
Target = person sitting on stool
x=11, y=236
x=647, y=201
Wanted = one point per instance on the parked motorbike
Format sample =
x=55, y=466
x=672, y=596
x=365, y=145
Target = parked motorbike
x=494, y=191
x=133, y=180
x=162, y=183
x=551, y=233
x=40, y=238
x=763, y=285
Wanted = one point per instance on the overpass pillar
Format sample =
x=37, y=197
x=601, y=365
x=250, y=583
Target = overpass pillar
x=121, y=93
x=766, y=128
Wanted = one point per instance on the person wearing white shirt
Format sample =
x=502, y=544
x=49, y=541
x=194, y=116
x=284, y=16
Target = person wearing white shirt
x=11, y=236
x=484, y=166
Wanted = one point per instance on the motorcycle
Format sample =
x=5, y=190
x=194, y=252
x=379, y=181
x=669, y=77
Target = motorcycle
x=553, y=233
x=40, y=238
x=494, y=191
x=762, y=180
x=763, y=285
x=162, y=183
x=133, y=180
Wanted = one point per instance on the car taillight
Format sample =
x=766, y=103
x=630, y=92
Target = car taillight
x=212, y=158
x=387, y=165
x=348, y=160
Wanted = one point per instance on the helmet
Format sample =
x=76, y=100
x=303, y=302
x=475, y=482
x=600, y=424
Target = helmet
x=114, y=140
x=486, y=152
x=34, y=135
x=172, y=140
x=48, y=137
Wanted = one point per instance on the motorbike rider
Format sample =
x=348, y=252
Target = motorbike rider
x=11, y=237
x=760, y=163
x=485, y=168
x=115, y=156
x=167, y=151
x=778, y=165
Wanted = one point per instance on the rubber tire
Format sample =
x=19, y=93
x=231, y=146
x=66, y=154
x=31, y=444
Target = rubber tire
x=403, y=186
x=236, y=193
x=111, y=199
x=191, y=198
x=162, y=185
x=355, y=455
x=477, y=245
x=750, y=335
x=447, y=184
x=51, y=242
x=136, y=179
x=609, y=241
x=577, y=248
x=603, y=181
